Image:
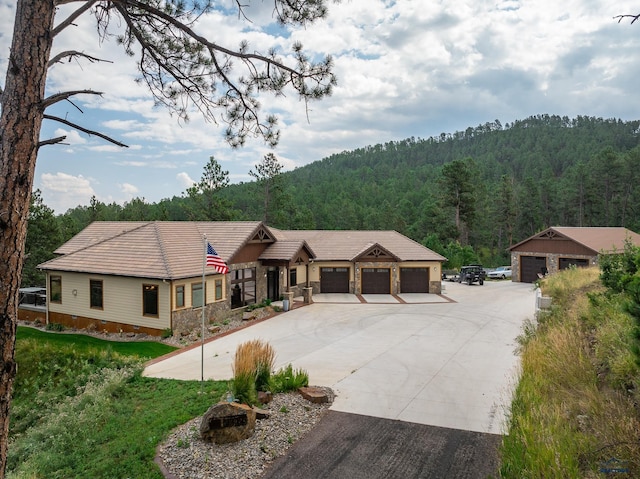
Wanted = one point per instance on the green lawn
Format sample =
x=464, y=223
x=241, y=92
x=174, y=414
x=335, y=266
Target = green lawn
x=81, y=407
x=82, y=342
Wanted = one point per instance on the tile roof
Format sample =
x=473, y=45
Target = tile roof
x=158, y=249
x=596, y=238
x=96, y=232
x=285, y=250
x=346, y=245
x=174, y=249
x=599, y=238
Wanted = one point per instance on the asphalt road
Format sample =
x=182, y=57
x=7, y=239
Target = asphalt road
x=350, y=446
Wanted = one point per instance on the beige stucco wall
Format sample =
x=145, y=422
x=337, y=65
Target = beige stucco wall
x=301, y=272
x=122, y=299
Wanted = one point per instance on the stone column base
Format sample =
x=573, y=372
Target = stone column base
x=307, y=294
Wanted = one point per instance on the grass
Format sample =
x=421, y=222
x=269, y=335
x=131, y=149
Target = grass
x=83, y=342
x=82, y=409
x=573, y=408
x=287, y=379
x=252, y=367
x=252, y=372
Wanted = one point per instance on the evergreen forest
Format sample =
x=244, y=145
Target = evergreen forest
x=468, y=195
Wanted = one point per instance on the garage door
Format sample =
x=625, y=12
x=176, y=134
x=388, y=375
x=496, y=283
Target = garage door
x=530, y=266
x=376, y=281
x=334, y=280
x=414, y=280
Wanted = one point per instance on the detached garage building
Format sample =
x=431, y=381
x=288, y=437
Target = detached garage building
x=558, y=248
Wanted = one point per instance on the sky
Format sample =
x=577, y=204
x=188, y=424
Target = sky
x=405, y=68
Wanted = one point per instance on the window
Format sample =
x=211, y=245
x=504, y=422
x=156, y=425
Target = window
x=218, y=289
x=196, y=295
x=55, y=289
x=95, y=293
x=180, y=296
x=243, y=287
x=150, y=299
x=293, y=277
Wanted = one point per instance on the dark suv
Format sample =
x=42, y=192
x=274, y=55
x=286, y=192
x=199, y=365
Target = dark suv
x=472, y=274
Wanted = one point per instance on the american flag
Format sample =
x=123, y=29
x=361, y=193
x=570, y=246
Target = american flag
x=216, y=261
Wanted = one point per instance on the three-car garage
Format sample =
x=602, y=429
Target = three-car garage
x=374, y=280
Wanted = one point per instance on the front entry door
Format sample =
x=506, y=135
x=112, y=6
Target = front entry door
x=273, y=284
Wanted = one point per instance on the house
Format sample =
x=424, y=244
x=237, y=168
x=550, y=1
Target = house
x=150, y=276
x=557, y=248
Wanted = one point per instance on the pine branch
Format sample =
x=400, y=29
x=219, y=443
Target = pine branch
x=71, y=18
x=52, y=141
x=622, y=17
x=72, y=53
x=47, y=102
x=84, y=130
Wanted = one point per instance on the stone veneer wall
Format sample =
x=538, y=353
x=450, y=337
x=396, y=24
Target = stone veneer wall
x=315, y=287
x=190, y=319
x=553, y=262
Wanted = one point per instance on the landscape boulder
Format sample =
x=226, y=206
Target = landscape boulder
x=227, y=422
x=265, y=397
x=314, y=394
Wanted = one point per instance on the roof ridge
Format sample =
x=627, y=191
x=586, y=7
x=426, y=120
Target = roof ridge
x=163, y=251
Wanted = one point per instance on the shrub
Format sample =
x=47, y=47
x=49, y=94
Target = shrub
x=166, y=333
x=263, y=304
x=286, y=379
x=55, y=327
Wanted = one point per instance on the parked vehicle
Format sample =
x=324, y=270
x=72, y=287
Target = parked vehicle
x=472, y=274
x=450, y=275
x=501, y=272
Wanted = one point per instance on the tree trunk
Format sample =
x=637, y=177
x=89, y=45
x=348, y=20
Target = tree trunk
x=20, y=121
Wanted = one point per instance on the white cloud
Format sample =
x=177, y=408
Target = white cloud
x=72, y=136
x=137, y=164
x=184, y=180
x=63, y=191
x=128, y=189
x=110, y=148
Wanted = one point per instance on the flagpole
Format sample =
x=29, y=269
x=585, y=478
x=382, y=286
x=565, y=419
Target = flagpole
x=204, y=297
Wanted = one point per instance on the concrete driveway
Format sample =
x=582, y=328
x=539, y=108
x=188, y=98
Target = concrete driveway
x=443, y=361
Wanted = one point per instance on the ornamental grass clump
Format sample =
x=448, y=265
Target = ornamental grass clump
x=252, y=367
x=265, y=358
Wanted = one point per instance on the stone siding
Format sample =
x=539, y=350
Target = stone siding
x=190, y=319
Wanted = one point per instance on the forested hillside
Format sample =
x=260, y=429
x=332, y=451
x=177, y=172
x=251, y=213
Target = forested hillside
x=517, y=179
x=468, y=195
